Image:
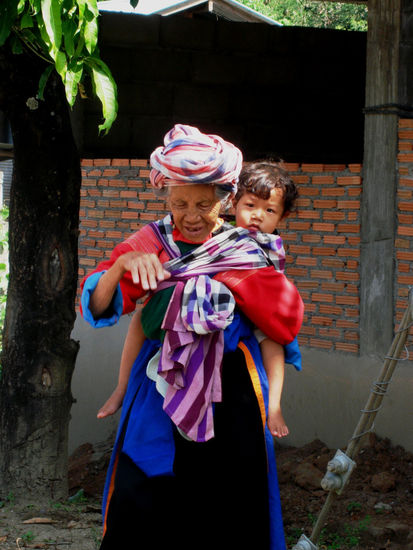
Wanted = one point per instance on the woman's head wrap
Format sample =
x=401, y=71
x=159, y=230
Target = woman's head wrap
x=190, y=157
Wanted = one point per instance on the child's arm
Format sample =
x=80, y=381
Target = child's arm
x=133, y=343
x=273, y=359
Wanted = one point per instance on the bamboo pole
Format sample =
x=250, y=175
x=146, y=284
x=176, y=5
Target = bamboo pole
x=372, y=406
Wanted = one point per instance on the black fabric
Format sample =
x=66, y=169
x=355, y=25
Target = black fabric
x=218, y=498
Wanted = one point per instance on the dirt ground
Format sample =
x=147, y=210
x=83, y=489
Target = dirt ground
x=375, y=510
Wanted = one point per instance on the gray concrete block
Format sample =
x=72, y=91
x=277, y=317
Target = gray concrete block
x=187, y=34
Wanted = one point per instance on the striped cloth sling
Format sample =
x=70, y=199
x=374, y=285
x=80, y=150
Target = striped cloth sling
x=198, y=312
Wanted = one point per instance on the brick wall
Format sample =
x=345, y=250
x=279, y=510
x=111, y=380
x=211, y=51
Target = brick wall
x=404, y=235
x=322, y=238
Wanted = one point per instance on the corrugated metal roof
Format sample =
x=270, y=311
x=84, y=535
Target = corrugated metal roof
x=228, y=9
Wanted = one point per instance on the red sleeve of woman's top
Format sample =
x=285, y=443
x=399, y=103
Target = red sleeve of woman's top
x=143, y=240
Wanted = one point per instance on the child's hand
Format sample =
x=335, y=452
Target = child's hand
x=276, y=423
x=112, y=404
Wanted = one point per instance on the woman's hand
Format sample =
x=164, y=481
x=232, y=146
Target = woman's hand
x=146, y=269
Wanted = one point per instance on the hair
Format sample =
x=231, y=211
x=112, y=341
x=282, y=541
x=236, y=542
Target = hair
x=261, y=177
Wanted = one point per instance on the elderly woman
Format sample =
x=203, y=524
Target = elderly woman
x=193, y=462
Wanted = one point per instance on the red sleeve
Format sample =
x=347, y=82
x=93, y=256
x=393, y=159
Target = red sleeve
x=268, y=299
x=144, y=241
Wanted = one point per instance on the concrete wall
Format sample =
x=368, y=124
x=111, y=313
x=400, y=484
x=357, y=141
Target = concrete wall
x=293, y=92
x=322, y=401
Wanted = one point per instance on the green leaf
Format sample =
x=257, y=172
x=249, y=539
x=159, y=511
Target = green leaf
x=8, y=14
x=133, y=3
x=20, y=6
x=73, y=77
x=43, y=80
x=91, y=35
x=61, y=64
x=69, y=29
x=105, y=88
x=16, y=45
x=53, y=24
x=26, y=21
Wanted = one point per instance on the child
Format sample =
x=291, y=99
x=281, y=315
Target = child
x=266, y=195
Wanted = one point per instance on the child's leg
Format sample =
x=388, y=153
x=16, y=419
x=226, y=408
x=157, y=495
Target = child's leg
x=133, y=343
x=273, y=359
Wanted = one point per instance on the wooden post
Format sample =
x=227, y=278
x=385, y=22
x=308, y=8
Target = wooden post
x=380, y=178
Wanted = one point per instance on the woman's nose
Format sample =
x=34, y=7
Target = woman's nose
x=192, y=214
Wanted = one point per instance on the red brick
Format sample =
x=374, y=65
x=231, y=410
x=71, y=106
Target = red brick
x=408, y=231
x=322, y=297
x=101, y=162
x=311, y=331
x=323, y=227
x=110, y=172
x=323, y=321
x=324, y=344
x=94, y=253
x=402, y=255
x=402, y=194
x=312, y=167
x=128, y=194
x=94, y=192
x=144, y=173
x=309, y=214
x=330, y=310
x=325, y=203
x=402, y=243
x=405, y=123
x=334, y=216
x=300, y=179
x=348, y=300
x=138, y=184
x=354, y=252
x=347, y=276
x=332, y=286
x=86, y=162
x=106, y=244
x=352, y=240
x=344, y=323
x=333, y=192
x=405, y=279
x=349, y=180
x=348, y=228
x=148, y=217
x=332, y=262
x=296, y=272
x=292, y=166
x=334, y=239
x=299, y=249
x=299, y=226
x=349, y=204
x=330, y=333
x=326, y=251
x=353, y=191
x=320, y=274
x=408, y=182
x=309, y=191
x=107, y=224
x=306, y=261
x=311, y=238
x=323, y=180
x=139, y=162
x=334, y=167
x=355, y=168
x=405, y=219
x=120, y=162
x=87, y=261
x=405, y=157
x=89, y=223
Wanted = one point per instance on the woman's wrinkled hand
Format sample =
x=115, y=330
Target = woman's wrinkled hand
x=146, y=269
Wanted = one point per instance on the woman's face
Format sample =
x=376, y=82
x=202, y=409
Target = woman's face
x=195, y=210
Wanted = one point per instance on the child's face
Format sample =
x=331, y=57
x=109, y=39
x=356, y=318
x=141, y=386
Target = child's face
x=256, y=214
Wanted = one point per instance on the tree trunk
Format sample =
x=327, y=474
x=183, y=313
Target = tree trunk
x=38, y=354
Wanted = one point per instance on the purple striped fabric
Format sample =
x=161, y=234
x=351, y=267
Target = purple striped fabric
x=198, y=312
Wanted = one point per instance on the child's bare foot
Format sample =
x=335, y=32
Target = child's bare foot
x=276, y=424
x=112, y=404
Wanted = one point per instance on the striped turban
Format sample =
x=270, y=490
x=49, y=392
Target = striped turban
x=190, y=157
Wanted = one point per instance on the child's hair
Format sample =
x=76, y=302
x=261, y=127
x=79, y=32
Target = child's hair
x=261, y=177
